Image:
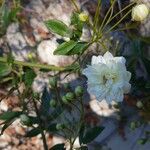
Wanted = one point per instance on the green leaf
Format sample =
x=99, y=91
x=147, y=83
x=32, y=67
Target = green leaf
x=91, y=134
x=81, y=133
x=65, y=48
x=33, y=132
x=4, y=69
x=58, y=27
x=52, y=128
x=76, y=22
x=73, y=67
x=46, y=97
x=79, y=48
x=29, y=77
x=84, y=148
x=78, y=26
x=10, y=115
x=13, y=14
x=6, y=125
x=9, y=118
x=58, y=147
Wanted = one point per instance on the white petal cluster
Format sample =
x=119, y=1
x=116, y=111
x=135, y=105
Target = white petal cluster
x=108, y=78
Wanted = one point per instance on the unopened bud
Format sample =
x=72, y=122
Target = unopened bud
x=79, y=91
x=140, y=12
x=83, y=17
x=133, y=125
x=139, y=104
x=70, y=96
x=64, y=99
x=53, y=103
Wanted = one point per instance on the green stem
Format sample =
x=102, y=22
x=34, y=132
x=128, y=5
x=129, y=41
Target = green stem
x=118, y=22
x=102, y=25
x=75, y=5
x=96, y=18
x=110, y=19
x=34, y=65
x=42, y=132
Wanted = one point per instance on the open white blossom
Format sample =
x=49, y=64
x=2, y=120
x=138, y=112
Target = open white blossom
x=108, y=78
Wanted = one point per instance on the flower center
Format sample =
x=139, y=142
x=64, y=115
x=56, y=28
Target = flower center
x=109, y=78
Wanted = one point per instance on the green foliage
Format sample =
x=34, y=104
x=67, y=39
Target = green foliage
x=55, y=102
x=77, y=26
x=5, y=69
x=33, y=132
x=9, y=115
x=45, y=101
x=25, y=120
x=65, y=48
x=88, y=135
x=7, y=15
x=58, y=147
x=71, y=48
x=29, y=77
x=58, y=27
x=79, y=48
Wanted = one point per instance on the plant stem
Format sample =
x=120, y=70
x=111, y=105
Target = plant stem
x=96, y=17
x=119, y=21
x=75, y=5
x=42, y=132
x=34, y=65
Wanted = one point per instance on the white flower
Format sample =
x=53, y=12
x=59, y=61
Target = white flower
x=108, y=78
x=140, y=12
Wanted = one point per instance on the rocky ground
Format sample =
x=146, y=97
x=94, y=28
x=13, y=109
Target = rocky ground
x=31, y=39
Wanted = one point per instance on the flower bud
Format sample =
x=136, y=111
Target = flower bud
x=60, y=126
x=30, y=56
x=139, y=104
x=133, y=125
x=53, y=103
x=70, y=96
x=140, y=12
x=53, y=82
x=36, y=95
x=64, y=99
x=25, y=120
x=79, y=91
x=83, y=17
x=142, y=141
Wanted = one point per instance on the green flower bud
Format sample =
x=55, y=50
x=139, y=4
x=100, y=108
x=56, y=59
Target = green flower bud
x=133, y=125
x=64, y=99
x=142, y=141
x=79, y=91
x=53, y=103
x=60, y=126
x=53, y=82
x=25, y=120
x=70, y=96
x=36, y=95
